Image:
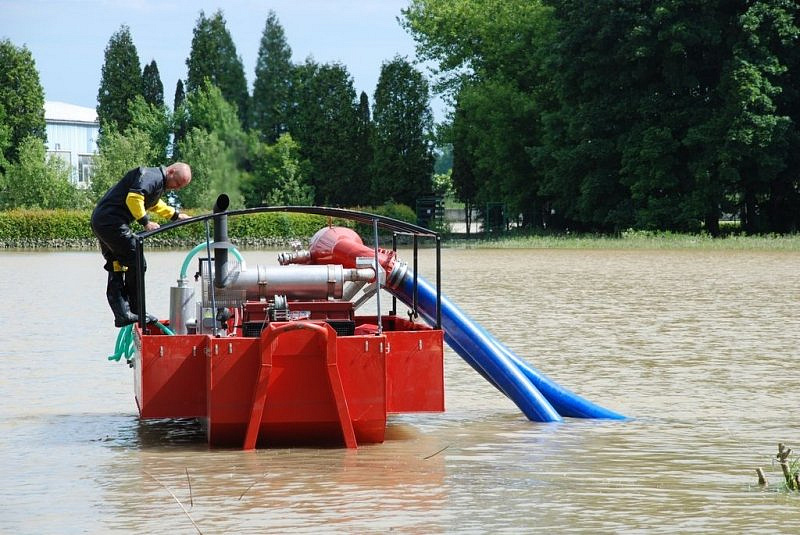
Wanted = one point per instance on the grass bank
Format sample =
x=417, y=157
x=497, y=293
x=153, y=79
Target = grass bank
x=633, y=240
x=65, y=229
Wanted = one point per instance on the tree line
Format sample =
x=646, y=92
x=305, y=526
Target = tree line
x=616, y=114
x=302, y=137
x=583, y=116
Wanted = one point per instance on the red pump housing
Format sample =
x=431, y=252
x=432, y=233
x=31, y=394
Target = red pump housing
x=318, y=375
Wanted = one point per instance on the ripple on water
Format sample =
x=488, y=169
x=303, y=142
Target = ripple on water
x=698, y=348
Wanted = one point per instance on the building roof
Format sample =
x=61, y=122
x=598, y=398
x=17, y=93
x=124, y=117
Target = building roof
x=69, y=113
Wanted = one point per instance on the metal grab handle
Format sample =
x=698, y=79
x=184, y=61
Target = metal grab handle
x=334, y=378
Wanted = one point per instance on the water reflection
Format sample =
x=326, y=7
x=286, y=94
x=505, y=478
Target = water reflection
x=274, y=490
x=697, y=347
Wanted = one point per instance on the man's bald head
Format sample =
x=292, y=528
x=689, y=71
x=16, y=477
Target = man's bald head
x=178, y=175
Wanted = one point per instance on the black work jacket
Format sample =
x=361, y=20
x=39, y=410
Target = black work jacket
x=112, y=208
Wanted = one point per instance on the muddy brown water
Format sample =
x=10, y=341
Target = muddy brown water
x=700, y=349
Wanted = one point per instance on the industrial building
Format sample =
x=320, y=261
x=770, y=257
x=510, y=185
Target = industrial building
x=72, y=133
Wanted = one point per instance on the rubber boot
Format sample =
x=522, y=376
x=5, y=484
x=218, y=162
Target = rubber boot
x=116, y=300
x=132, y=295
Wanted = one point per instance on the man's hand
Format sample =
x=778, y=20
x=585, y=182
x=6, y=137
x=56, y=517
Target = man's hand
x=183, y=216
x=151, y=225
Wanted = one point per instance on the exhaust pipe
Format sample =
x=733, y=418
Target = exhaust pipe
x=221, y=237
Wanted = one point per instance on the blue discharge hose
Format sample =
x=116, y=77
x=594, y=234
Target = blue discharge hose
x=473, y=345
x=539, y=397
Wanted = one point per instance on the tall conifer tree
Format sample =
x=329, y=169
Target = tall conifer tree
x=324, y=123
x=153, y=89
x=363, y=149
x=120, y=82
x=178, y=120
x=272, y=86
x=213, y=56
x=180, y=95
x=402, y=120
x=21, y=96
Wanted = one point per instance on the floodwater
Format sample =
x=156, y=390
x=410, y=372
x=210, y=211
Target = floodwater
x=700, y=349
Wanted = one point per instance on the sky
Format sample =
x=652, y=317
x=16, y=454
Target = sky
x=68, y=38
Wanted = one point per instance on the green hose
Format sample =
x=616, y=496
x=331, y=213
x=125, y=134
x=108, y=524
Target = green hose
x=124, y=346
x=199, y=248
x=165, y=329
x=124, y=341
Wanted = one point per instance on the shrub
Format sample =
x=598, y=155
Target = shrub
x=393, y=210
x=45, y=228
x=71, y=228
x=38, y=180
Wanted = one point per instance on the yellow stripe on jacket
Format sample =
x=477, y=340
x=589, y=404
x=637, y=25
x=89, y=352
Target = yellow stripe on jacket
x=135, y=203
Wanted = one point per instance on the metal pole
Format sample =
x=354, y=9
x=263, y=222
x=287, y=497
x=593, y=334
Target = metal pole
x=416, y=293
x=438, y=282
x=140, y=282
x=393, y=312
x=210, y=282
x=220, y=235
x=377, y=277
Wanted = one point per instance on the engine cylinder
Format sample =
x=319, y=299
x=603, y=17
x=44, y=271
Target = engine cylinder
x=296, y=281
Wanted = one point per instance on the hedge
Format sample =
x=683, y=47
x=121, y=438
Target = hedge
x=71, y=229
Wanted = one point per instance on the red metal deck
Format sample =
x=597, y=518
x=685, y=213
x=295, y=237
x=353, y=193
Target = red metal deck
x=297, y=383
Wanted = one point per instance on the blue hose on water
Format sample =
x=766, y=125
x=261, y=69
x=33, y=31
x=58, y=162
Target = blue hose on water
x=475, y=347
x=539, y=397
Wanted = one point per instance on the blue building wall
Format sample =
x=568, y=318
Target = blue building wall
x=76, y=143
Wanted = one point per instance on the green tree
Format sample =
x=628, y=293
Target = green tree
x=207, y=109
x=180, y=96
x=499, y=122
x=324, y=123
x=119, y=153
x=155, y=121
x=179, y=127
x=783, y=208
x=214, y=170
x=153, y=89
x=39, y=181
x=213, y=125
x=120, y=81
x=490, y=67
x=444, y=158
x=5, y=142
x=213, y=57
x=402, y=119
x=21, y=98
x=363, y=150
x=477, y=40
x=666, y=112
x=758, y=136
x=463, y=179
x=273, y=82
x=657, y=115
x=280, y=176
x=143, y=143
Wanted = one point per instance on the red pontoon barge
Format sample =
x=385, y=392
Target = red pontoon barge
x=277, y=355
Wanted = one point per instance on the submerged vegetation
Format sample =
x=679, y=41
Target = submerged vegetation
x=790, y=470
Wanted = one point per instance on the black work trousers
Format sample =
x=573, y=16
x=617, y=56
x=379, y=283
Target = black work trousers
x=117, y=243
